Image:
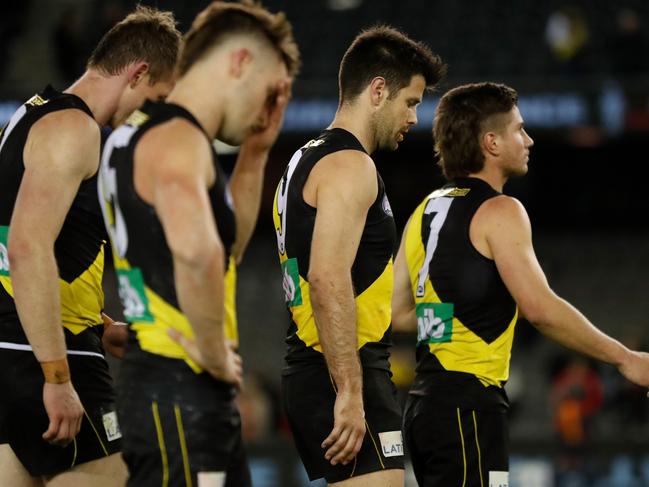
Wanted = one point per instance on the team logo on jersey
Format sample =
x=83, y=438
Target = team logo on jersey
x=434, y=322
x=291, y=283
x=385, y=204
x=137, y=118
x=132, y=295
x=36, y=100
x=4, y=253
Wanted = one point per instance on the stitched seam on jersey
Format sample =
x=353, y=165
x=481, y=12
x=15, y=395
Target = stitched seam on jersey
x=74, y=456
x=477, y=444
x=376, y=448
x=161, y=443
x=183, y=446
x=103, y=447
x=459, y=422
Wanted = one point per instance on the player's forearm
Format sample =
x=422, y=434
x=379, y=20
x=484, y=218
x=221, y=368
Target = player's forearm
x=200, y=291
x=335, y=316
x=246, y=185
x=566, y=325
x=35, y=282
x=404, y=319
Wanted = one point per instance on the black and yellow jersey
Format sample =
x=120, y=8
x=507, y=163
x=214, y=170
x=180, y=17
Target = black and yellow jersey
x=79, y=248
x=372, y=273
x=465, y=314
x=143, y=261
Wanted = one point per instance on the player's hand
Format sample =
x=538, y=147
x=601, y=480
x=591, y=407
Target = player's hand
x=64, y=411
x=115, y=336
x=229, y=367
x=636, y=368
x=345, y=440
x=264, y=133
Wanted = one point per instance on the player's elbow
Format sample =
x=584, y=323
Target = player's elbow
x=537, y=311
x=197, y=254
x=21, y=250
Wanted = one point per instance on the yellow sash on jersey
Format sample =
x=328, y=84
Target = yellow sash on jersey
x=464, y=351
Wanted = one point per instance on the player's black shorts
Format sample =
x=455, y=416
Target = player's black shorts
x=23, y=419
x=178, y=426
x=453, y=445
x=309, y=398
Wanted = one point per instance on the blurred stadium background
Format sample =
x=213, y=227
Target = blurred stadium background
x=582, y=70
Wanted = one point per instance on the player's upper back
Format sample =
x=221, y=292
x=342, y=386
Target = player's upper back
x=371, y=271
x=143, y=260
x=465, y=312
x=78, y=248
x=295, y=218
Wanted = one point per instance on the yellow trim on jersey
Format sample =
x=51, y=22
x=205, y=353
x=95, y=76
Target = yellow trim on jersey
x=373, y=311
x=152, y=335
x=81, y=300
x=183, y=446
x=477, y=444
x=459, y=423
x=465, y=352
x=230, y=323
x=161, y=443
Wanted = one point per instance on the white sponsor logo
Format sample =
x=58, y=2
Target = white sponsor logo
x=386, y=205
x=4, y=258
x=498, y=479
x=211, y=479
x=429, y=326
x=111, y=426
x=391, y=443
x=289, y=286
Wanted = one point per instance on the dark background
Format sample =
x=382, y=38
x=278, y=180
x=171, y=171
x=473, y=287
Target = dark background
x=582, y=70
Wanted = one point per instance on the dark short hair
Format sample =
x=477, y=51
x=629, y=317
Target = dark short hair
x=148, y=35
x=221, y=19
x=385, y=51
x=462, y=116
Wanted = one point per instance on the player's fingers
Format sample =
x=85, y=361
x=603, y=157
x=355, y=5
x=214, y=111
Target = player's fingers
x=346, y=452
x=52, y=429
x=333, y=436
x=65, y=434
x=333, y=452
x=355, y=448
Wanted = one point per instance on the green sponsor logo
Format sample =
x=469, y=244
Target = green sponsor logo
x=131, y=292
x=4, y=254
x=434, y=322
x=291, y=283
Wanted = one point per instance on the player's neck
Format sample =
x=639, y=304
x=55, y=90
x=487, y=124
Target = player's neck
x=101, y=94
x=208, y=110
x=355, y=122
x=495, y=179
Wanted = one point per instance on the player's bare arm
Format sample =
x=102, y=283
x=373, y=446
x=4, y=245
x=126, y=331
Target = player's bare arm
x=248, y=174
x=342, y=186
x=173, y=170
x=61, y=151
x=404, y=316
x=508, y=236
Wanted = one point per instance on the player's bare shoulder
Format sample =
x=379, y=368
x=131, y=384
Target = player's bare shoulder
x=500, y=212
x=173, y=148
x=347, y=172
x=70, y=137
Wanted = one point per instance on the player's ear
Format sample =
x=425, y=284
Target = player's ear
x=378, y=90
x=137, y=73
x=490, y=142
